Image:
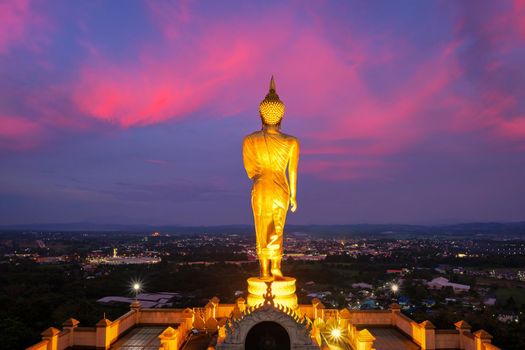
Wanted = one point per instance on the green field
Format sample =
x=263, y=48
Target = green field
x=503, y=294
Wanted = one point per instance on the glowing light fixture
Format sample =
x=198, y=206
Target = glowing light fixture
x=336, y=333
x=394, y=288
x=135, y=287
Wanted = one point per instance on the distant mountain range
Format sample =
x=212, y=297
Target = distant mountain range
x=466, y=229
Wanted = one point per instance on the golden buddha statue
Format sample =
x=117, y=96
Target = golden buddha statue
x=266, y=155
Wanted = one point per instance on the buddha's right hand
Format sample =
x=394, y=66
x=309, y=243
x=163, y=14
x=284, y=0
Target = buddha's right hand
x=293, y=205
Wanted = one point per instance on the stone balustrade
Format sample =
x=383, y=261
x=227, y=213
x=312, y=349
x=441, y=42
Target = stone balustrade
x=106, y=332
x=357, y=327
x=42, y=345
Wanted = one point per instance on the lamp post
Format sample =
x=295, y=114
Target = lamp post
x=136, y=287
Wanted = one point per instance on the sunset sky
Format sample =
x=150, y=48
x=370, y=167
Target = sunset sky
x=134, y=111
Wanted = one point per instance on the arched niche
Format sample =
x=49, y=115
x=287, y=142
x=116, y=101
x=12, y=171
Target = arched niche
x=267, y=335
x=297, y=329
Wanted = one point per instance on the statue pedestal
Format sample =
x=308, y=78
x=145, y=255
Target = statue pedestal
x=283, y=291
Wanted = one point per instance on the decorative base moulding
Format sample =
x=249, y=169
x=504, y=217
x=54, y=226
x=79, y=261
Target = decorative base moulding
x=283, y=291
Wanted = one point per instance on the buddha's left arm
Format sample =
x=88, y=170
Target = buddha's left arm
x=292, y=172
x=248, y=158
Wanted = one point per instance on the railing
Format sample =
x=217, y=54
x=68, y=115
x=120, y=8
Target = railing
x=354, y=322
x=121, y=325
x=403, y=323
x=63, y=339
x=447, y=339
x=469, y=342
x=85, y=336
x=161, y=316
x=42, y=345
x=371, y=317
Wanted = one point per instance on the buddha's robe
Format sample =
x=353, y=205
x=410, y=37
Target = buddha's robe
x=266, y=156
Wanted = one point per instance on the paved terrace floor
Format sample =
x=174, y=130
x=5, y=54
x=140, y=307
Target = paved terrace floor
x=140, y=338
x=147, y=338
x=388, y=338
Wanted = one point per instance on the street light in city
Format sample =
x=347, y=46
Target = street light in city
x=394, y=288
x=136, y=287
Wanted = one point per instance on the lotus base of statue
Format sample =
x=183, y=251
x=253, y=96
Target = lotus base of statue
x=282, y=289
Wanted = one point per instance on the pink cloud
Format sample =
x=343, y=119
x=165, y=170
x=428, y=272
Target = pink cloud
x=171, y=17
x=17, y=133
x=21, y=25
x=519, y=16
x=491, y=106
x=514, y=128
x=215, y=71
x=13, y=16
x=215, y=67
x=212, y=71
x=154, y=90
x=381, y=126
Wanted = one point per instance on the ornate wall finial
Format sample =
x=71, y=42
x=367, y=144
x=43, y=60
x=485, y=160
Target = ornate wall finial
x=268, y=296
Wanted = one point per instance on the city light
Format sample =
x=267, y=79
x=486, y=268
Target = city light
x=394, y=288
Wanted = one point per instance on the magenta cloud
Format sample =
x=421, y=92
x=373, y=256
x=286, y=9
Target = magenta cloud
x=198, y=64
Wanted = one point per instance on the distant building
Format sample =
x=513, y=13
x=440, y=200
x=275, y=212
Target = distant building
x=319, y=295
x=305, y=257
x=428, y=302
x=51, y=259
x=149, y=300
x=368, y=305
x=490, y=301
x=521, y=275
x=508, y=317
x=442, y=282
x=122, y=260
x=440, y=270
x=403, y=301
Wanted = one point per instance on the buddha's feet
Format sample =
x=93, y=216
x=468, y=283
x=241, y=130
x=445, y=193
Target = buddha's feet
x=277, y=273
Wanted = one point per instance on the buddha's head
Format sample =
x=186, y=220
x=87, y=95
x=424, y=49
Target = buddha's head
x=271, y=108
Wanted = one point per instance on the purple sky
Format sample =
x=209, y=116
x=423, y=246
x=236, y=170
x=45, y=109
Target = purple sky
x=134, y=112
